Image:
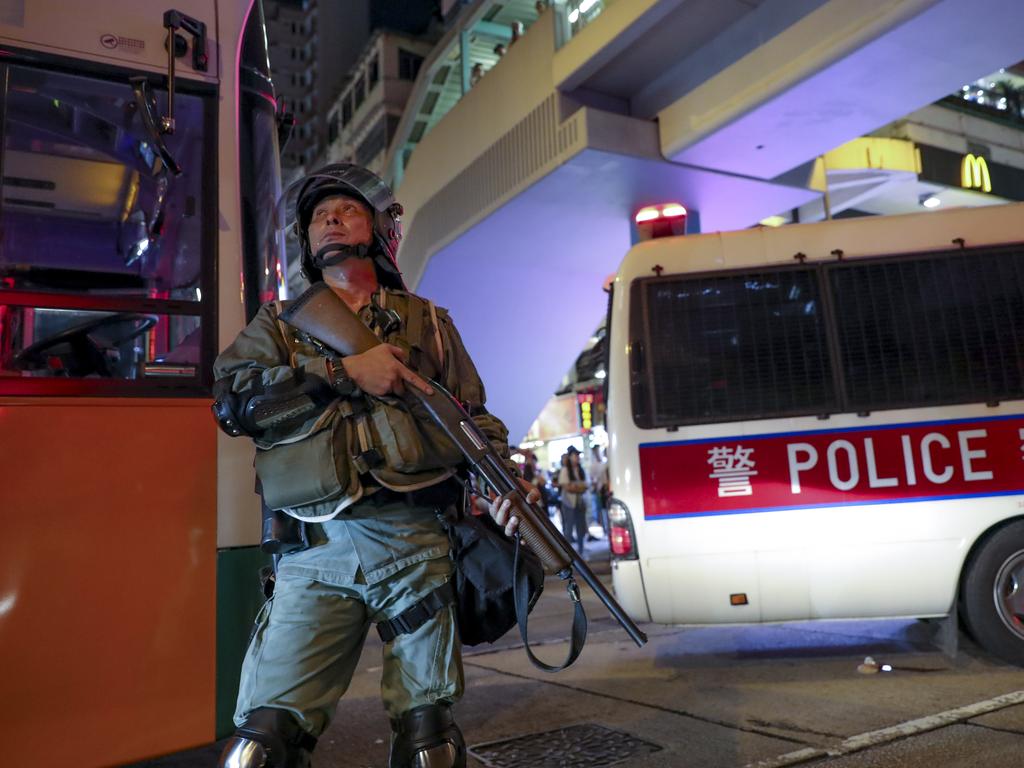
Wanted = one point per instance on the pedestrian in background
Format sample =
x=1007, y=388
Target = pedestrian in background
x=516, y=28
x=572, y=481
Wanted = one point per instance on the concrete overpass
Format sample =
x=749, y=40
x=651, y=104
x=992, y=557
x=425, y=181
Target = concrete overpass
x=519, y=199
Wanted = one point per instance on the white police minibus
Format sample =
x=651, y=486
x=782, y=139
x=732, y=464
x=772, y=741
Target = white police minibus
x=823, y=421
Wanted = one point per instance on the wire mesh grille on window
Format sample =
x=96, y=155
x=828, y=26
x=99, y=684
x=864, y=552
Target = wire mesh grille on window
x=738, y=346
x=931, y=330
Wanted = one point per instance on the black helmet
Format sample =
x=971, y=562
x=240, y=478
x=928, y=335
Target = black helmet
x=301, y=198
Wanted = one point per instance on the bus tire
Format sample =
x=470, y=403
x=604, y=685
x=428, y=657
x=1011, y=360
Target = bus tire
x=992, y=595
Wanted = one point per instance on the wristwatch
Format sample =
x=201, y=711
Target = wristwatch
x=340, y=381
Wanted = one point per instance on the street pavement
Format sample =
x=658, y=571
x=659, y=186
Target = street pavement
x=726, y=696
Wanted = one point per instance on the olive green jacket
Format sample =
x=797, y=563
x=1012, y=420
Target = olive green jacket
x=308, y=469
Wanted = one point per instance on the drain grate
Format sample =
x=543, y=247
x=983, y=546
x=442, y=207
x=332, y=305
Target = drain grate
x=579, y=746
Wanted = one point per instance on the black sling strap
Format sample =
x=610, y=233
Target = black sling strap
x=579, y=620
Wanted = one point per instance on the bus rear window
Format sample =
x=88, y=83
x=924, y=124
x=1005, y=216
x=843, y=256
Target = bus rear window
x=927, y=331
x=850, y=336
x=732, y=346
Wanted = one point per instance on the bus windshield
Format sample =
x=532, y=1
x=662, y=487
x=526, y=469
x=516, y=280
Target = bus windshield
x=91, y=211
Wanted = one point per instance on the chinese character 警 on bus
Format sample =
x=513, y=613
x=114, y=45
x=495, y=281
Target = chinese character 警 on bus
x=733, y=469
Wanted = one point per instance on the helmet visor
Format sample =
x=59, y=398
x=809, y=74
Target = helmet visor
x=343, y=180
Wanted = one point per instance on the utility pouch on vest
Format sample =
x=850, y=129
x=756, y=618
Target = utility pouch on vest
x=315, y=468
x=307, y=470
x=408, y=443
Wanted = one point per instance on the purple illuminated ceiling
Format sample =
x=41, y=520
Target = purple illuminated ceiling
x=524, y=285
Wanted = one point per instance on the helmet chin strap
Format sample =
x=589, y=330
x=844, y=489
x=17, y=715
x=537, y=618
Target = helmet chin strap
x=335, y=253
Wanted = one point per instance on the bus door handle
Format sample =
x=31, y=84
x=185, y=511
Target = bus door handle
x=636, y=358
x=637, y=366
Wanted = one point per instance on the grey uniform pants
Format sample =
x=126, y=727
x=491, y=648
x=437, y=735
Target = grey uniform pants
x=309, y=636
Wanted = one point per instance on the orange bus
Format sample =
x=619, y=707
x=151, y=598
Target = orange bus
x=136, y=237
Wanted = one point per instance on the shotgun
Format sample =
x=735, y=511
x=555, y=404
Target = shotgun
x=329, y=323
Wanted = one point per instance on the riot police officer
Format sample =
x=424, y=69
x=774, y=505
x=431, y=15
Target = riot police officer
x=374, y=549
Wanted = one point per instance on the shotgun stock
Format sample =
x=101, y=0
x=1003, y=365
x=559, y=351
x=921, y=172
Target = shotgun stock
x=331, y=325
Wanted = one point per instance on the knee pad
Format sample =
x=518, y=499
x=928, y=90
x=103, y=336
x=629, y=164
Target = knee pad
x=427, y=737
x=269, y=738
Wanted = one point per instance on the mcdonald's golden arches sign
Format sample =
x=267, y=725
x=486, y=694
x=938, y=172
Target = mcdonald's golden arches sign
x=974, y=173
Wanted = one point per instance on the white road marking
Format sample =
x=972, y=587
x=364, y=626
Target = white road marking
x=892, y=733
x=790, y=758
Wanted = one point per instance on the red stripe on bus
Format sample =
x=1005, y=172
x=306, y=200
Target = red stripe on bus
x=890, y=463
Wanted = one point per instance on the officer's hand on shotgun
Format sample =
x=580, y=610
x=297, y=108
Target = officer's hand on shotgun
x=382, y=371
x=502, y=507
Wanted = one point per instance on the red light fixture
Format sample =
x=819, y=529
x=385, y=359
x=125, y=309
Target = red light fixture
x=665, y=220
x=620, y=532
x=621, y=542
x=650, y=213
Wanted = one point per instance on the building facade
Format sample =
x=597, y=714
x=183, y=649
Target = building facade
x=364, y=118
x=293, y=46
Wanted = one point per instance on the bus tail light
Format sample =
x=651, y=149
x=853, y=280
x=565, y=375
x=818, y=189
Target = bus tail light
x=622, y=537
x=621, y=541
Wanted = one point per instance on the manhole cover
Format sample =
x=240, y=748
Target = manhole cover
x=578, y=746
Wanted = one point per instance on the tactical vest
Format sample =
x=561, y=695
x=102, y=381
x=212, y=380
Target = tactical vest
x=384, y=440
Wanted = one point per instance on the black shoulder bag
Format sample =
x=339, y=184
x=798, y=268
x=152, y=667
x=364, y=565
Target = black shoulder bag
x=497, y=583
x=485, y=602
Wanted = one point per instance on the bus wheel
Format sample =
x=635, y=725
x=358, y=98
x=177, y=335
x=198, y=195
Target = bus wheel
x=992, y=600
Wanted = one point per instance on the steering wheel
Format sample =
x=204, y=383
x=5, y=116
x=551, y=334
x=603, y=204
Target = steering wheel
x=85, y=348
